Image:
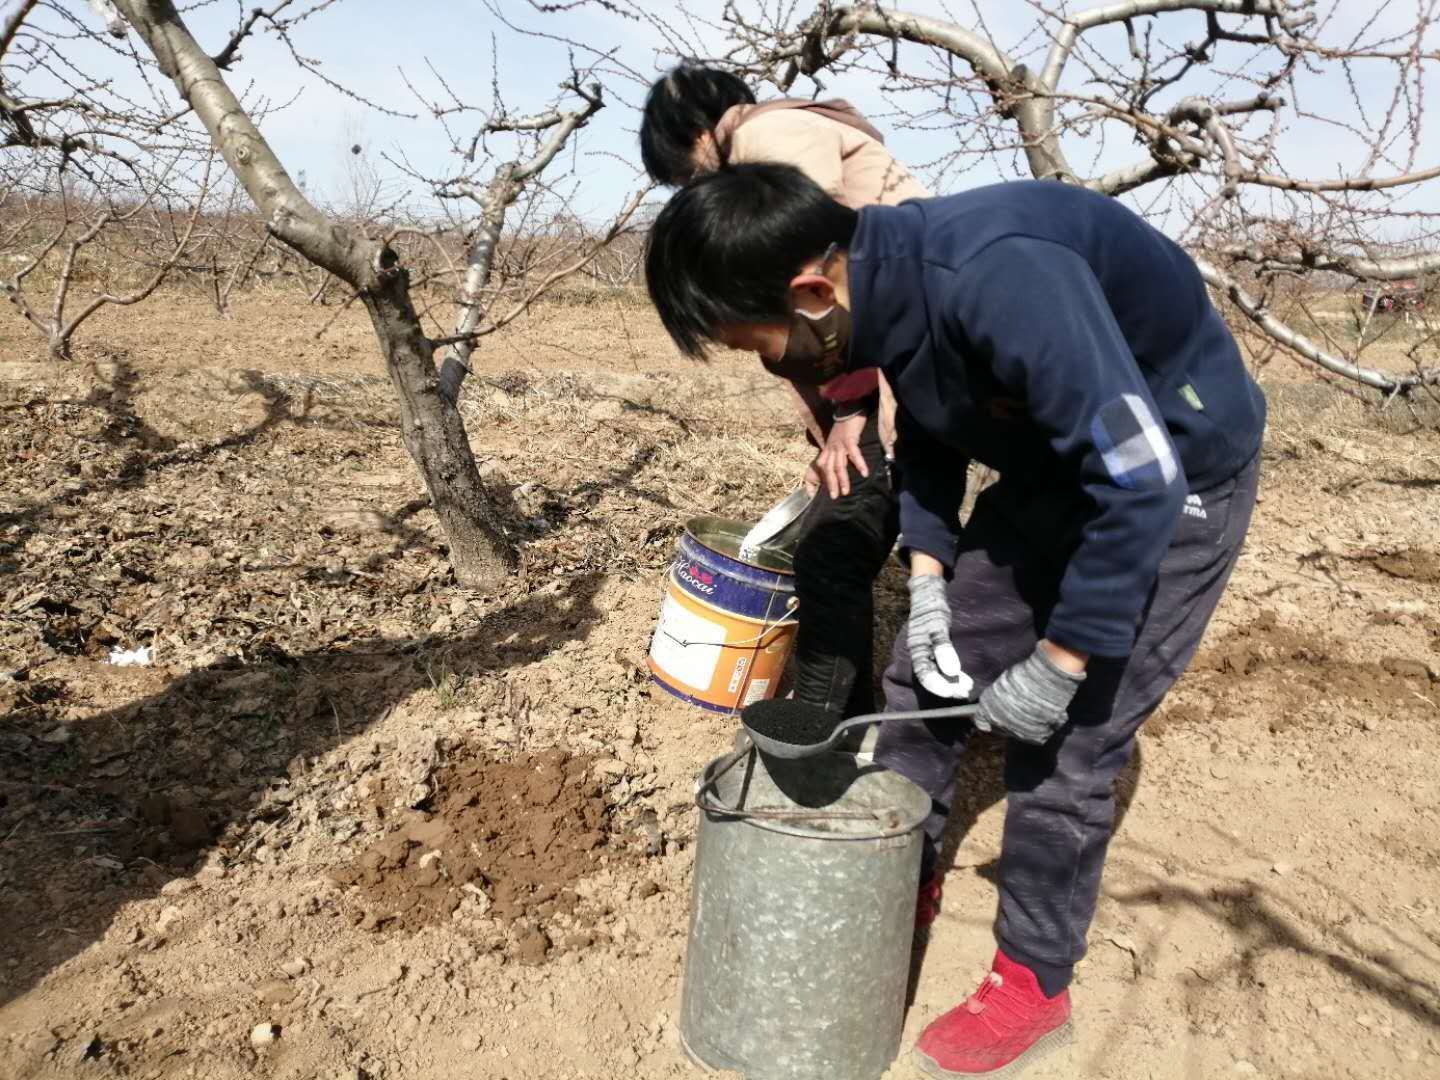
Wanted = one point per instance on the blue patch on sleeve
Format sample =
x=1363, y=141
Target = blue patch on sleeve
x=1136, y=450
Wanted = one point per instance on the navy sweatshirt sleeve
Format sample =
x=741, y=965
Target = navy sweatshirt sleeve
x=1035, y=312
x=930, y=481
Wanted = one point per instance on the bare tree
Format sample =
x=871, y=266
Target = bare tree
x=433, y=433
x=495, y=197
x=367, y=256
x=1212, y=94
x=103, y=193
x=95, y=240
x=231, y=243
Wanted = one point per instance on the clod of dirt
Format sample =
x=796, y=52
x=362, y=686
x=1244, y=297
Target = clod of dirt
x=264, y=1034
x=1301, y=669
x=177, y=827
x=1410, y=565
x=89, y=1045
x=521, y=833
x=276, y=992
x=169, y=916
x=532, y=947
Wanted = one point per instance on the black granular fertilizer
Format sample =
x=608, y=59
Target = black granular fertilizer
x=789, y=721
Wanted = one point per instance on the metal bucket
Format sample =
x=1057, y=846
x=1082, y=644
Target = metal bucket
x=802, y=917
x=726, y=624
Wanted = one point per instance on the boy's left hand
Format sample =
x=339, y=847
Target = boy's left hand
x=842, y=449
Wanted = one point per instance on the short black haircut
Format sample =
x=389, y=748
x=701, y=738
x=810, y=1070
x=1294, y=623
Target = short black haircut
x=727, y=245
x=681, y=106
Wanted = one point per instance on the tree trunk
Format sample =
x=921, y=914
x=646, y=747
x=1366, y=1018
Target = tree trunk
x=434, y=434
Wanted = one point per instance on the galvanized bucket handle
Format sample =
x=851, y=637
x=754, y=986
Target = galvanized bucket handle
x=891, y=821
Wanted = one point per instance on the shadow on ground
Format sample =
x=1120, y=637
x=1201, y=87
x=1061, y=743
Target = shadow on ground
x=138, y=792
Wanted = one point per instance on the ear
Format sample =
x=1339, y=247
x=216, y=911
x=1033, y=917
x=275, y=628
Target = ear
x=812, y=292
x=705, y=155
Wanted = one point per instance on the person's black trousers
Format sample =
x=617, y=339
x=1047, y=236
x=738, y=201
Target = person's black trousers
x=843, y=546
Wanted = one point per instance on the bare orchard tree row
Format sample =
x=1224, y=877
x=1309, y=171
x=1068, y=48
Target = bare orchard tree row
x=67, y=250
x=1205, y=114
x=82, y=164
x=150, y=150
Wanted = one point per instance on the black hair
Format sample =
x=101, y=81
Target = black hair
x=682, y=106
x=727, y=245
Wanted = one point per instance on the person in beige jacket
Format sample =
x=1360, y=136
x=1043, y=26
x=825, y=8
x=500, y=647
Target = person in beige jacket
x=698, y=119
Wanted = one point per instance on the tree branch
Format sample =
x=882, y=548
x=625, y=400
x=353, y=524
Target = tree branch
x=1012, y=85
x=1065, y=39
x=1398, y=268
x=1199, y=111
x=1344, y=183
x=1062, y=47
x=11, y=26
x=1292, y=339
x=502, y=190
x=289, y=215
x=230, y=53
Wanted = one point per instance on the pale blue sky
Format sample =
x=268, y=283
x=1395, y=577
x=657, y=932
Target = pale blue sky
x=366, y=44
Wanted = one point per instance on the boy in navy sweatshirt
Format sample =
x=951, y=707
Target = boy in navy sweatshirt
x=1050, y=333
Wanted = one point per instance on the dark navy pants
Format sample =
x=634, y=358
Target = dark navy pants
x=1060, y=796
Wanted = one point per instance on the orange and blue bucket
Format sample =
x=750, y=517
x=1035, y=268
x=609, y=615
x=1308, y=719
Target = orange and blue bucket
x=727, y=624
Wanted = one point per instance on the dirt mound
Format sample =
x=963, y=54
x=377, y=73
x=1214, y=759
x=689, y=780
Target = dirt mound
x=508, y=838
x=1411, y=565
x=1298, y=669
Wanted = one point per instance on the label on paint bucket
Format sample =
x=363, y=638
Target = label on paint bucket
x=686, y=646
x=741, y=666
x=756, y=691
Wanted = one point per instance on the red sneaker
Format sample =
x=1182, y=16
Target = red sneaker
x=1007, y=1025
x=927, y=903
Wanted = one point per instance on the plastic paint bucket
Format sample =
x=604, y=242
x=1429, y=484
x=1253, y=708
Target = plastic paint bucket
x=726, y=624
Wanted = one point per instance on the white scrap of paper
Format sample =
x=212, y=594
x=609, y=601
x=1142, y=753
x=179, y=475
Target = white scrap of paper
x=142, y=657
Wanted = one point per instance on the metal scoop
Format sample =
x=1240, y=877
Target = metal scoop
x=790, y=729
x=776, y=520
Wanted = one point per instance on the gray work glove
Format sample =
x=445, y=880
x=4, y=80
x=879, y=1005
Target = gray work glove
x=932, y=657
x=1029, y=700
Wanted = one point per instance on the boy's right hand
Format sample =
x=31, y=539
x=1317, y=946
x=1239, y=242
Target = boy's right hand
x=932, y=657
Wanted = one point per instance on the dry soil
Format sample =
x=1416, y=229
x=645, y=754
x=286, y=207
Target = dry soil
x=355, y=821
